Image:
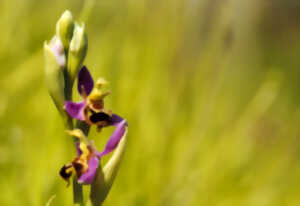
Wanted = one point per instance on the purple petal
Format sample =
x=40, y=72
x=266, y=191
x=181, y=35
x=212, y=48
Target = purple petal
x=116, y=119
x=85, y=80
x=89, y=175
x=114, y=138
x=75, y=109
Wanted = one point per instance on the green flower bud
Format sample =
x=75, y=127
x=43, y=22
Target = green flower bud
x=106, y=176
x=65, y=28
x=54, y=65
x=77, y=51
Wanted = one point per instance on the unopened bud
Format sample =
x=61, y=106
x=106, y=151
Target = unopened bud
x=54, y=65
x=77, y=51
x=65, y=28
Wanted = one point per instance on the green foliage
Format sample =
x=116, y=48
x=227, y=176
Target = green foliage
x=210, y=90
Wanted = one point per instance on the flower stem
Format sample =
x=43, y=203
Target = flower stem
x=68, y=85
x=77, y=193
x=77, y=188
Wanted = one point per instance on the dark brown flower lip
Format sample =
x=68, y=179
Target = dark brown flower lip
x=102, y=116
x=66, y=172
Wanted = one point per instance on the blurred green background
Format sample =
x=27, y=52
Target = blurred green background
x=210, y=89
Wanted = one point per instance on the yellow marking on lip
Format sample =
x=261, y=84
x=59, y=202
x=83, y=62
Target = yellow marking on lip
x=70, y=170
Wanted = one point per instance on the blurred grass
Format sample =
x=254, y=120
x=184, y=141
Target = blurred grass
x=210, y=90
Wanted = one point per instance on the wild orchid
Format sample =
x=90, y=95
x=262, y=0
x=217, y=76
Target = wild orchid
x=91, y=108
x=64, y=57
x=87, y=160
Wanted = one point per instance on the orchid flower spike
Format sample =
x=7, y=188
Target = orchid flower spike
x=85, y=164
x=91, y=108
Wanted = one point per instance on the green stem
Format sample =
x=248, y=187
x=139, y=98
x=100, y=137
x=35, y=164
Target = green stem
x=77, y=193
x=68, y=85
x=84, y=127
x=77, y=188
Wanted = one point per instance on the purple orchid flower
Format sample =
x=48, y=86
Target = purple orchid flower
x=87, y=161
x=91, y=108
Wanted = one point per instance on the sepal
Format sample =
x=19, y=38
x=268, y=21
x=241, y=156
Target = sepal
x=106, y=176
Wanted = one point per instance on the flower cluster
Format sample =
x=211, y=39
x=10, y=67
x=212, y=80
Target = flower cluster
x=91, y=110
x=64, y=57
